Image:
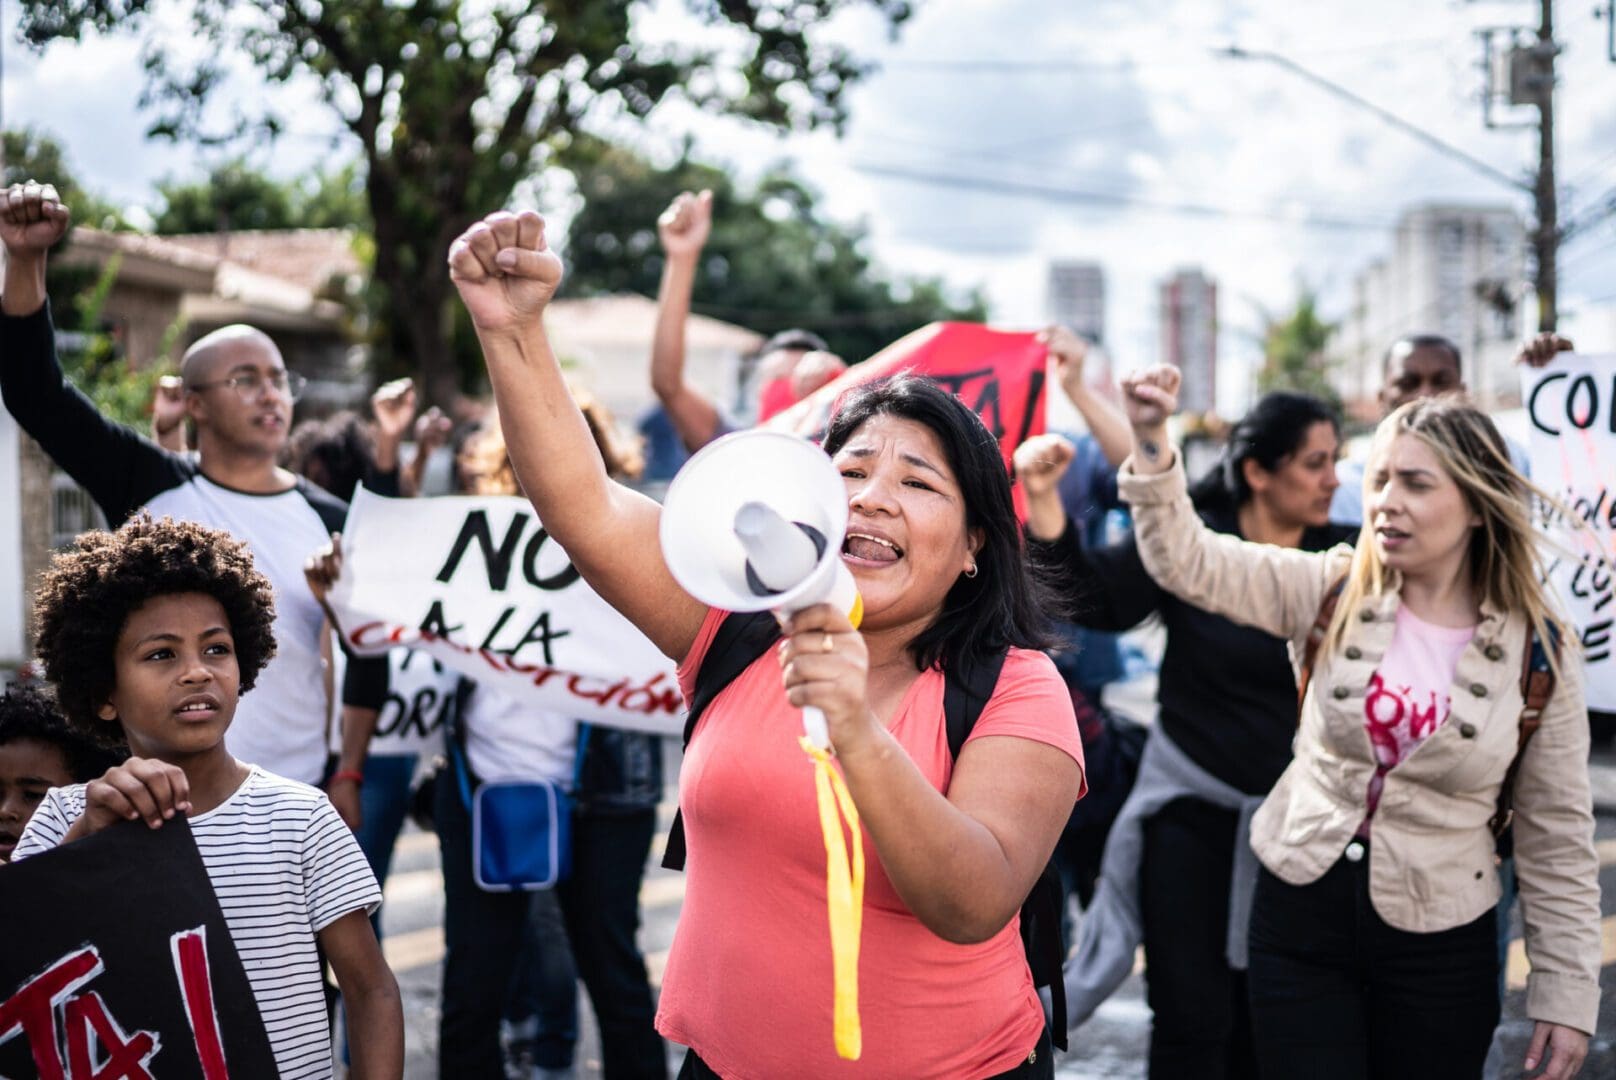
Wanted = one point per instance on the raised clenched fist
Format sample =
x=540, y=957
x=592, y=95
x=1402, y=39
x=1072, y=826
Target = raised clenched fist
x=685, y=225
x=1151, y=396
x=1041, y=461
x=32, y=218
x=505, y=271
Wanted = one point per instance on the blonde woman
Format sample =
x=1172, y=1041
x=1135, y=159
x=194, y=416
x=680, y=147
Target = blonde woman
x=1372, y=947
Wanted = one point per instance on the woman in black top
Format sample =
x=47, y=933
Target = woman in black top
x=1227, y=699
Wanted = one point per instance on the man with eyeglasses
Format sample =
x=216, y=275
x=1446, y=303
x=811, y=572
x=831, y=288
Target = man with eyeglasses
x=238, y=395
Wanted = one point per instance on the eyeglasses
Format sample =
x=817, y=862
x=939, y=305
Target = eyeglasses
x=250, y=384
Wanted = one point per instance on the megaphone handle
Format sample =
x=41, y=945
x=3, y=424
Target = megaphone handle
x=815, y=727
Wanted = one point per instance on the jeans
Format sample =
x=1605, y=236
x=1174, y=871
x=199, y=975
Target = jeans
x=384, y=803
x=1201, y=1022
x=1337, y=994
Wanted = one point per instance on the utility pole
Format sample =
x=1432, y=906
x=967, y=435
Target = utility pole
x=1522, y=73
x=1546, y=240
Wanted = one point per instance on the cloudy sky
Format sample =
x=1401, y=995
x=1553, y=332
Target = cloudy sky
x=999, y=134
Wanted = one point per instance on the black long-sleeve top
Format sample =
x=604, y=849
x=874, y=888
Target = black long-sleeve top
x=1227, y=692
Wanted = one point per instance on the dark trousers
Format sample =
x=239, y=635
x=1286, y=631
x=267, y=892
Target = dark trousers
x=1336, y=994
x=601, y=903
x=1040, y=1066
x=485, y=934
x=1201, y=1021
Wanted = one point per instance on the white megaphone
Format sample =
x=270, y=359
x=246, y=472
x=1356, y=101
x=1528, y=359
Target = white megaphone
x=755, y=522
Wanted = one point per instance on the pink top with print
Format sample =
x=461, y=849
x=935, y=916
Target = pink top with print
x=1408, y=694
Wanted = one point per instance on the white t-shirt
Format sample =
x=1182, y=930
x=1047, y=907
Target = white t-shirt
x=281, y=724
x=284, y=867
x=509, y=740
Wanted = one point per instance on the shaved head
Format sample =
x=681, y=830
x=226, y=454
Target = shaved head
x=227, y=341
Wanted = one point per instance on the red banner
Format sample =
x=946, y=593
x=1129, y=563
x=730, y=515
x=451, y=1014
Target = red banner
x=999, y=375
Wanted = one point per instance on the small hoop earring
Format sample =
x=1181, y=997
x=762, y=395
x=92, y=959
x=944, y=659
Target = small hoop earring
x=971, y=572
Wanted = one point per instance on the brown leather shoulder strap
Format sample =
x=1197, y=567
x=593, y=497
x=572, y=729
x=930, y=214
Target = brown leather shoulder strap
x=1315, y=639
x=1537, y=686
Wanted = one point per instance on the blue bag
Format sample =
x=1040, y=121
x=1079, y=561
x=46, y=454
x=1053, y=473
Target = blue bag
x=521, y=831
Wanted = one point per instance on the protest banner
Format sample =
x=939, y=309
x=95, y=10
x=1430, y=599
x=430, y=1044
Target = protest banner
x=999, y=375
x=476, y=583
x=118, y=965
x=1571, y=410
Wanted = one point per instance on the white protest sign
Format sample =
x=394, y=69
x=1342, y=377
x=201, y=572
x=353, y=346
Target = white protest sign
x=477, y=583
x=1571, y=407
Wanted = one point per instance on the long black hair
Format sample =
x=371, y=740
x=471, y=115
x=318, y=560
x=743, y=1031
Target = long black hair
x=1004, y=604
x=1274, y=429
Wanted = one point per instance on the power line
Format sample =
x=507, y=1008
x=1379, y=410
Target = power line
x=1055, y=193
x=1085, y=66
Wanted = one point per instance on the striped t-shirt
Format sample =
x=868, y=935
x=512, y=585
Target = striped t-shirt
x=284, y=867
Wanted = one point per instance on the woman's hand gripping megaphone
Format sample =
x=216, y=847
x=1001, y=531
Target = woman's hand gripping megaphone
x=826, y=670
x=789, y=559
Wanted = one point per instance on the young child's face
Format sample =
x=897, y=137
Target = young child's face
x=176, y=678
x=28, y=767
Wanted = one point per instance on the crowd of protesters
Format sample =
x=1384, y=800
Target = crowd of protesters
x=1317, y=846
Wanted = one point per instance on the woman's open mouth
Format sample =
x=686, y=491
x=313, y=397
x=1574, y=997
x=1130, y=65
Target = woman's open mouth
x=866, y=549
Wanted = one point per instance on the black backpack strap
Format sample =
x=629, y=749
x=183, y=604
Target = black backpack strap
x=741, y=639
x=965, y=695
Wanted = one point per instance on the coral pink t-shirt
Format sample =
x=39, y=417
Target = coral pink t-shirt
x=1408, y=694
x=748, y=983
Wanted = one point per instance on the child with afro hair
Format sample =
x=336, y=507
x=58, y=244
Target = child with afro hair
x=39, y=751
x=150, y=634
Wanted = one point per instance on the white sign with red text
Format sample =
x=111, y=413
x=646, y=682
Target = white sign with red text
x=477, y=583
x=1571, y=409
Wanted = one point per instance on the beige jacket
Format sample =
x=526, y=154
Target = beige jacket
x=1431, y=856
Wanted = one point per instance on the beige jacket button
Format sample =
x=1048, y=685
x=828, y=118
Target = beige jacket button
x=1478, y=690
x=1353, y=652
x=1340, y=693
x=1494, y=651
x=1467, y=730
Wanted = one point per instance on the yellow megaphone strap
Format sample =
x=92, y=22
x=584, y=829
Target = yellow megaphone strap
x=844, y=895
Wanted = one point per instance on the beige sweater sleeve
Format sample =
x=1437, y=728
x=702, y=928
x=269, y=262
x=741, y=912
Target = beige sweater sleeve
x=1275, y=589
x=1555, y=860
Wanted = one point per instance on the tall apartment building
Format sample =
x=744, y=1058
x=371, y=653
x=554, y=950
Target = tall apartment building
x=1189, y=336
x=1075, y=297
x=1458, y=271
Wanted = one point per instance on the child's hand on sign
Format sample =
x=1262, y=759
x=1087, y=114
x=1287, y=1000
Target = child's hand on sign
x=141, y=789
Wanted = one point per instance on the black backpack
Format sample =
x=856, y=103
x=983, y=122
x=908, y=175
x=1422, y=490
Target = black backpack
x=742, y=638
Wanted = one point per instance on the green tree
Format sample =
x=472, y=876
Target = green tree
x=453, y=103
x=33, y=155
x=237, y=196
x=771, y=262
x=232, y=196
x=1294, y=350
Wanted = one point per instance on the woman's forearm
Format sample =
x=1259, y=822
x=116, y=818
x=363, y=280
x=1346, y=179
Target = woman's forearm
x=1046, y=517
x=550, y=445
x=948, y=867
x=1152, y=453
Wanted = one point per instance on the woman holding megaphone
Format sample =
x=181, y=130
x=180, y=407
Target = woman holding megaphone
x=952, y=845
x=1441, y=694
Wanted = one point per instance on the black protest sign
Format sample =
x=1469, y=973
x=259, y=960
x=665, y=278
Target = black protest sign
x=117, y=964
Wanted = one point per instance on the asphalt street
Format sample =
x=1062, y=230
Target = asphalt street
x=1112, y=1044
